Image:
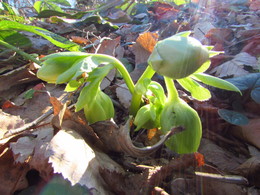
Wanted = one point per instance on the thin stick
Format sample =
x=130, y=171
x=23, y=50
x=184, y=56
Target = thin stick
x=27, y=126
x=235, y=179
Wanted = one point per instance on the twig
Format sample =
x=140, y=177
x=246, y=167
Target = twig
x=25, y=55
x=235, y=179
x=27, y=126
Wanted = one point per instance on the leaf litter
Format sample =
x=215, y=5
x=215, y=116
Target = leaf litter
x=64, y=144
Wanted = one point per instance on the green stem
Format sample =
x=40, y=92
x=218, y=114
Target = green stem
x=137, y=95
x=120, y=67
x=171, y=89
x=25, y=55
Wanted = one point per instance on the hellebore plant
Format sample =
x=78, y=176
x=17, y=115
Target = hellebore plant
x=179, y=57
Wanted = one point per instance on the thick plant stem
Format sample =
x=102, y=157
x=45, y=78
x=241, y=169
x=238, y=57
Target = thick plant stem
x=25, y=55
x=171, y=89
x=137, y=95
x=120, y=67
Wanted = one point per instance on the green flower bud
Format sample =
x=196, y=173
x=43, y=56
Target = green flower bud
x=147, y=117
x=181, y=114
x=178, y=56
x=99, y=108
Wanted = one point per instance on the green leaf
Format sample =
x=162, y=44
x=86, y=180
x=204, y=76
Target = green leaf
x=51, y=5
x=197, y=91
x=203, y=67
x=180, y=2
x=80, y=66
x=58, y=64
x=146, y=117
x=233, y=117
x=60, y=2
x=52, y=37
x=99, y=109
x=29, y=94
x=49, y=13
x=40, y=6
x=158, y=94
x=215, y=82
x=37, y=6
x=89, y=92
x=14, y=38
x=10, y=9
x=184, y=33
x=73, y=85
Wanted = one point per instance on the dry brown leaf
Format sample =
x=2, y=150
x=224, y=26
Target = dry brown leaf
x=8, y=122
x=12, y=176
x=215, y=155
x=32, y=150
x=219, y=35
x=17, y=77
x=201, y=29
x=251, y=170
x=124, y=95
x=108, y=46
x=77, y=162
x=249, y=133
x=235, y=67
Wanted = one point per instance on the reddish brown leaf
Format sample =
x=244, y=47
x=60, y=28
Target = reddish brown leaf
x=147, y=40
x=8, y=104
x=219, y=35
x=151, y=133
x=164, y=11
x=199, y=159
x=79, y=40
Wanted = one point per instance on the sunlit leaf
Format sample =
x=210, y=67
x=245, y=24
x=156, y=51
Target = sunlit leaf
x=14, y=38
x=50, y=36
x=215, y=82
x=180, y=2
x=197, y=91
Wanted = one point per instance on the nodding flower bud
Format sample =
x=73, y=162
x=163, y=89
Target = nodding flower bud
x=99, y=108
x=176, y=114
x=178, y=56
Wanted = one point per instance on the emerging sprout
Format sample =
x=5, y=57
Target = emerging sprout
x=100, y=108
x=178, y=56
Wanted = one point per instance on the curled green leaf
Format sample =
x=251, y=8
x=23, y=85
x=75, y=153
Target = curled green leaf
x=146, y=117
x=55, y=65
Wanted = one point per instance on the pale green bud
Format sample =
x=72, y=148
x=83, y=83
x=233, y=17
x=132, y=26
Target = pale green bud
x=99, y=108
x=178, y=56
x=181, y=114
